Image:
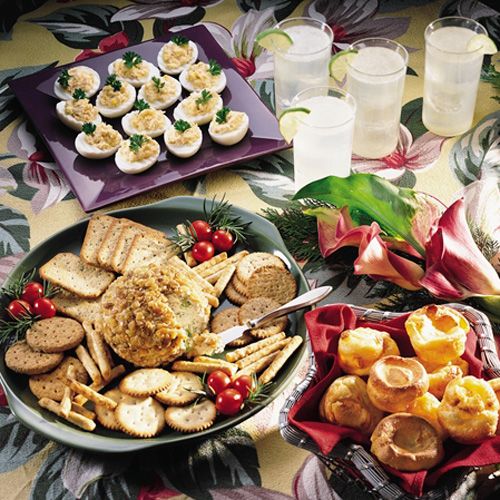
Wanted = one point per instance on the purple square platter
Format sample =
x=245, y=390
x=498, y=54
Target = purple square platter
x=97, y=183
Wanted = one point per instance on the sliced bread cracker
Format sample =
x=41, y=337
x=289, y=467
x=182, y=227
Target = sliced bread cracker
x=68, y=271
x=76, y=307
x=96, y=231
x=108, y=245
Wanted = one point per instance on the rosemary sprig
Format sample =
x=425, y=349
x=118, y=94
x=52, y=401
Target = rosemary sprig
x=131, y=59
x=136, y=142
x=16, y=288
x=489, y=74
x=219, y=217
x=214, y=67
x=184, y=237
x=158, y=83
x=63, y=79
x=114, y=82
x=221, y=115
x=181, y=125
x=88, y=128
x=12, y=331
x=141, y=105
x=259, y=394
x=179, y=40
x=49, y=290
x=205, y=96
x=79, y=94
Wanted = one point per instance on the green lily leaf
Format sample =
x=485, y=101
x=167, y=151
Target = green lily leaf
x=371, y=198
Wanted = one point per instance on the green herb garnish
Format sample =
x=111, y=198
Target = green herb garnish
x=204, y=98
x=141, y=105
x=158, y=82
x=491, y=75
x=180, y=40
x=136, y=142
x=88, y=128
x=114, y=82
x=214, y=67
x=63, y=79
x=131, y=59
x=79, y=94
x=221, y=115
x=181, y=125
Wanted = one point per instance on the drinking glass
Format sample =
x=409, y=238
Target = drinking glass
x=322, y=145
x=375, y=78
x=451, y=75
x=305, y=63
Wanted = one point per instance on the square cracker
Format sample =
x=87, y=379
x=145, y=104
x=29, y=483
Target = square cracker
x=96, y=231
x=77, y=307
x=108, y=245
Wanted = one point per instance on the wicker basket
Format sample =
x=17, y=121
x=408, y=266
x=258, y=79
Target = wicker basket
x=355, y=473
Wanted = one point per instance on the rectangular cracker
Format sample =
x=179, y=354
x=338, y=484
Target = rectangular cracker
x=68, y=271
x=108, y=244
x=75, y=418
x=96, y=231
x=224, y=280
x=222, y=265
x=115, y=372
x=91, y=395
x=77, y=307
x=208, y=359
x=248, y=360
x=98, y=349
x=259, y=365
x=280, y=360
x=208, y=264
x=254, y=347
x=89, y=364
x=196, y=367
x=148, y=249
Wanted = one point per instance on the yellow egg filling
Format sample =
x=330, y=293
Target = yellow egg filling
x=148, y=120
x=189, y=136
x=81, y=78
x=136, y=72
x=174, y=55
x=234, y=120
x=113, y=98
x=81, y=110
x=192, y=105
x=199, y=76
x=152, y=93
x=104, y=137
x=147, y=150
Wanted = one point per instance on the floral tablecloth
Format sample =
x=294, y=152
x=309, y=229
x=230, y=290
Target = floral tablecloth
x=250, y=461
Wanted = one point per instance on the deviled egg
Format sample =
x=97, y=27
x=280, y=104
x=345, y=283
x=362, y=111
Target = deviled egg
x=78, y=77
x=116, y=98
x=160, y=92
x=199, y=107
x=137, y=154
x=97, y=141
x=228, y=127
x=77, y=111
x=183, y=139
x=133, y=69
x=177, y=54
x=203, y=76
x=145, y=120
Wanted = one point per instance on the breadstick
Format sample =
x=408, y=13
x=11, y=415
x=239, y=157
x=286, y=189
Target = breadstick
x=73, y=417
x=208, y=264
x=280, y=360
x=225, y=263
x=258, y=366
x=224, y=279
x=98, y=349
x=82, y=410
x=201, y=282
x=254, y=347
x=190, y=260
x=212, y=300
x=115, y=372
x=92, y=395
x=208, y=359
x=252, y=358
x=88, y=363
x=196, y=367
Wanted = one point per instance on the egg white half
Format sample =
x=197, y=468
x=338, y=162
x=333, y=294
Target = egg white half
x=129, y=129
x=232, y=137
x=201, y=119
x=120, y=110
x=136, y=82
x=62, y=93
x=69, y=120
x=219, y=86
x=178, y=70
x=90, y=151
x=183, y=151
x=134, y=167
x=158, y=104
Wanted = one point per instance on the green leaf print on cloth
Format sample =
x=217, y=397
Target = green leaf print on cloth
x=84, y=26
x=476, y=155
x=14, y=232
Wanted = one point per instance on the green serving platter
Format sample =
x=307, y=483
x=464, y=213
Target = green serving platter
x=163, y=216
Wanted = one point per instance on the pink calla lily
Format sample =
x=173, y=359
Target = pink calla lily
x=455, y=267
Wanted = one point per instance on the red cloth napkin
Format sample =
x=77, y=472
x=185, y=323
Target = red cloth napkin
x=325, y=324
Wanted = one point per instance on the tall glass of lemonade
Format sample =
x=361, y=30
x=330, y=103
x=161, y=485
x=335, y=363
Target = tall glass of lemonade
x=451, y=75
x=305, y=63
x=375, y=78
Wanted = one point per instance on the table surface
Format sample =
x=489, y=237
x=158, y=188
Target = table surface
x=35, y=201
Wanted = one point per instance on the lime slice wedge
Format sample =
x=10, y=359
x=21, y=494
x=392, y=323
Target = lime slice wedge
x=289, y=122
x=340, y=62
x=274, y=39
x=482, y=42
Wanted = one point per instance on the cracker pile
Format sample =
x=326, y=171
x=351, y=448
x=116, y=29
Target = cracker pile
x=74, y=373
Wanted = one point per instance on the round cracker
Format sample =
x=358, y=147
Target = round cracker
x=239, y=286
x=273, y=283
x=145, y=382
x=141, y=417
x=224, y=319
x=106, y=416
x=253, y=261
x=194, y=418
x=51, y=385
x=180, y=392
x=21, y=358
x=255, y=308
x=233, y=295
x=55, y=334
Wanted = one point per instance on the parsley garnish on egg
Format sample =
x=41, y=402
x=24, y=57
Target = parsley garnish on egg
x=141, y=105
x=88, y=128
x=221, y=115
x=181, y=125
x=136, y=142
x=214, y=67
x=79, y=94
x=63, y=79
x=204, y=98
x=131, y=59
x=158, y=82
x=180, y=40
x=114, y=82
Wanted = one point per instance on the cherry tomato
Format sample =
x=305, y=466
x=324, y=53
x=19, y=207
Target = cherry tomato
x=203, y=250
x=223, y=240
x=19, y=308
x=217, y=381
x=229, y=402
x=32, y=291
x=44, y=307
x=201, y=230
x=244, y=384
